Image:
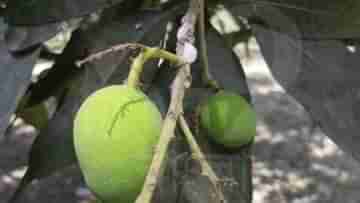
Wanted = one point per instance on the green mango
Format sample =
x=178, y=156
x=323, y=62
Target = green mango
x=228, y=119
x=115, y=132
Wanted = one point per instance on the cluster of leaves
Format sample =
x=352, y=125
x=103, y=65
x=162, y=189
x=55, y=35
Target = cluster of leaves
x=305, y=43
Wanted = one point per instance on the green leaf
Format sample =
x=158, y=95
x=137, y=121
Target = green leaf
x=224, y=67
x=36, y=116
x=59, y=77
x=323, y=78
x=319, y=19
x=18, y=38
x=15, y=77
x=39, y=12
x=52, y=148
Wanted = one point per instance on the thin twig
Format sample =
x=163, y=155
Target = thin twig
x=200, y=157
x=152, y=52
x=181, y=82
x=101, y=54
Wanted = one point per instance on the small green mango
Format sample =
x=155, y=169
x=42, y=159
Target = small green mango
x=228, y=119
x=115, y=132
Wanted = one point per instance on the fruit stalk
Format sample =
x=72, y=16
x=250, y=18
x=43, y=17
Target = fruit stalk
x=145, y=54
x=206, y=75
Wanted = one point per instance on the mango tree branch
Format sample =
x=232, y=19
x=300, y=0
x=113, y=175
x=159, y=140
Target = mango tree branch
x=200, y=157
x=180, y=83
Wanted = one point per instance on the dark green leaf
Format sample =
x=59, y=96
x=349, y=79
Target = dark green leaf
x=52, y=149
x=36, y=116
x=59, y=77
x=225, y=68
x=224, y=65
x=98, y=37
x=18, y=38
x=324, y=78
x=38, y=12
x=15, y=77
x=314, y=19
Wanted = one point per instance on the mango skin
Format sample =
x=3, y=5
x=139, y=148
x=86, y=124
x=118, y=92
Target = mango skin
x=115, y=132
x=228, y=119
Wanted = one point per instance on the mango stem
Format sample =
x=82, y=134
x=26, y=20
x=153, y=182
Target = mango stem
x=146, y=54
